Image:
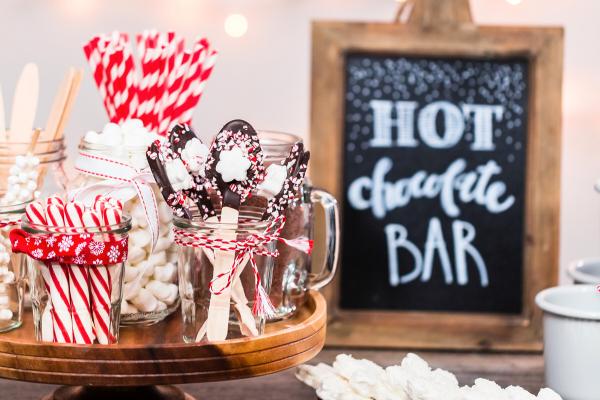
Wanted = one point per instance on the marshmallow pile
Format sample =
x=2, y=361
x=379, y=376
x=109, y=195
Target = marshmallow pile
x=150, y=277
x=22, y=181
x=7, y=276
x=413, y=379
x=131, y=134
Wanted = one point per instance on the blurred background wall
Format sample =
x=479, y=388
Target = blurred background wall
x=264, y=76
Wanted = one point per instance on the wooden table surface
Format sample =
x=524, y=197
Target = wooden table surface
x=506, y=369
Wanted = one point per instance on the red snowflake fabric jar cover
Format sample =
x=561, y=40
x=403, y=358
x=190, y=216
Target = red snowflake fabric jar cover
x=76, y=280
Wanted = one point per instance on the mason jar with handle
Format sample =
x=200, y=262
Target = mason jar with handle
x=295, y=272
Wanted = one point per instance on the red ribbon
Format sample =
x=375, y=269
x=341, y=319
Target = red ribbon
x=76, y=249
x=251, y=245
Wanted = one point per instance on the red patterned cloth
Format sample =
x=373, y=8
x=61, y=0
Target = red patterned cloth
x=76, y=249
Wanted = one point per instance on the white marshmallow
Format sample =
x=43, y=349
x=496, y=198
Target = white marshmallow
x=131, y=289
x=92, y=137
x=195, y=155
x=8, y=278
x=144, y=281
x=145, y=301
x=131, y=272
x=178, y=176
x=172, y=257
x=135, y=255
x=160, y=306
x=140, y=238
x=6, y=314
x=166, y=292
x=162, y=244
x=274, y=179
x=165, y=273
x=233, y=165
x=147, y=267
x=158, y=258
x=4, y=300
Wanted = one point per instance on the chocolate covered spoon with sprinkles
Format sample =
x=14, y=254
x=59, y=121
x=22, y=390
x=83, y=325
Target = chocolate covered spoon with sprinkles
x=234, y=168
x=194, y=155
x=170, y=175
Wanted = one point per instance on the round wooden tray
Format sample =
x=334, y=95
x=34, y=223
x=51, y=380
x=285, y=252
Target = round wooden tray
x=155, y=355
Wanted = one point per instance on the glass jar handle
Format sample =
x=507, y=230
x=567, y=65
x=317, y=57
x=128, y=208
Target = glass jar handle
x=332, y=232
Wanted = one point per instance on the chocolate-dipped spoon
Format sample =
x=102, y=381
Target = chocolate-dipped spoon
x=234, y=168
x=158, y=156
x=194, y=154
x=289, y=190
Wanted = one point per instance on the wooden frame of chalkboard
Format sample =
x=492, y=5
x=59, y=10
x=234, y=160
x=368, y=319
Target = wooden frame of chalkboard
x=453, y=37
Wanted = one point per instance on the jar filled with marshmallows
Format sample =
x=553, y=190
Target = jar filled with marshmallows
x=113, y=163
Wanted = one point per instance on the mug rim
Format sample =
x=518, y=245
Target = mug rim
x=541, y=299
x=121, y=228
x=574, y=272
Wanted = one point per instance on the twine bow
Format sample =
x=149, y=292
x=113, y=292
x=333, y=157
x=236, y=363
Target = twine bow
x=253, y=244
x=118, y=177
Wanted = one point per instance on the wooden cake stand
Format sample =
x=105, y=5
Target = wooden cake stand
x=148, y=358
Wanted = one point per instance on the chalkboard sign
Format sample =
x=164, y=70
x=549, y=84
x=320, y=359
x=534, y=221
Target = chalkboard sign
x=441, y=141
x=434, y=183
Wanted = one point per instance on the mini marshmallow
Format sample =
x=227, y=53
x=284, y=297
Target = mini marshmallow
x=178, y=175
x=147, y=267
x=158, y=258
x=160, y=306
x=195, y=154
x=135, y=255
x=131, y=289
x=131, y=272
x=145, y=301
x=144, y=281
x=4, y=300
x=8, y=278
x=166, y=273
x=548, y=394
x=518, y=393
x=140, y=238
x=162, y=244
x=6, y=314
x=166, y=292
x=233, y=165
x=274, y=179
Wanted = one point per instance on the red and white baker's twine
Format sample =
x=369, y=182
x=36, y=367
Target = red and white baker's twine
x=4, y=223
x=252, y=245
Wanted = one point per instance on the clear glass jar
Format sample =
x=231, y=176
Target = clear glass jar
x=142, y=304
x=210, y=315
x=98, y=292
x=12, y=270
x=294, y=274
x=51, y=173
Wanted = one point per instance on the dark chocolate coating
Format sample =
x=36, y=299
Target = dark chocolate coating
x=155, y=161
x=236, y=133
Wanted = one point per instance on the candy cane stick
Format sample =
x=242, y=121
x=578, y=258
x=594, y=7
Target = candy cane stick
x=57, y=280
x=36, y=214
x=100, y=288
x=79, y=289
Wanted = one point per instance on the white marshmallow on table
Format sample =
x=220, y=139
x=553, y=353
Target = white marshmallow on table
x=165, y=273
x=145, y=301
x=166, y=292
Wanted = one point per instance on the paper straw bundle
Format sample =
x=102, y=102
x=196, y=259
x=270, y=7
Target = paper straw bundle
x=162, y=89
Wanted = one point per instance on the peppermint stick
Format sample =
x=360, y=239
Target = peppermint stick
x=234, y=167
x=100, y=288
x=36, y=214
x=57, y=279
x=79, y=289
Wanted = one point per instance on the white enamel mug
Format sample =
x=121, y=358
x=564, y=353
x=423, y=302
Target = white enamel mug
x=585, y=271
x=572, y=340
